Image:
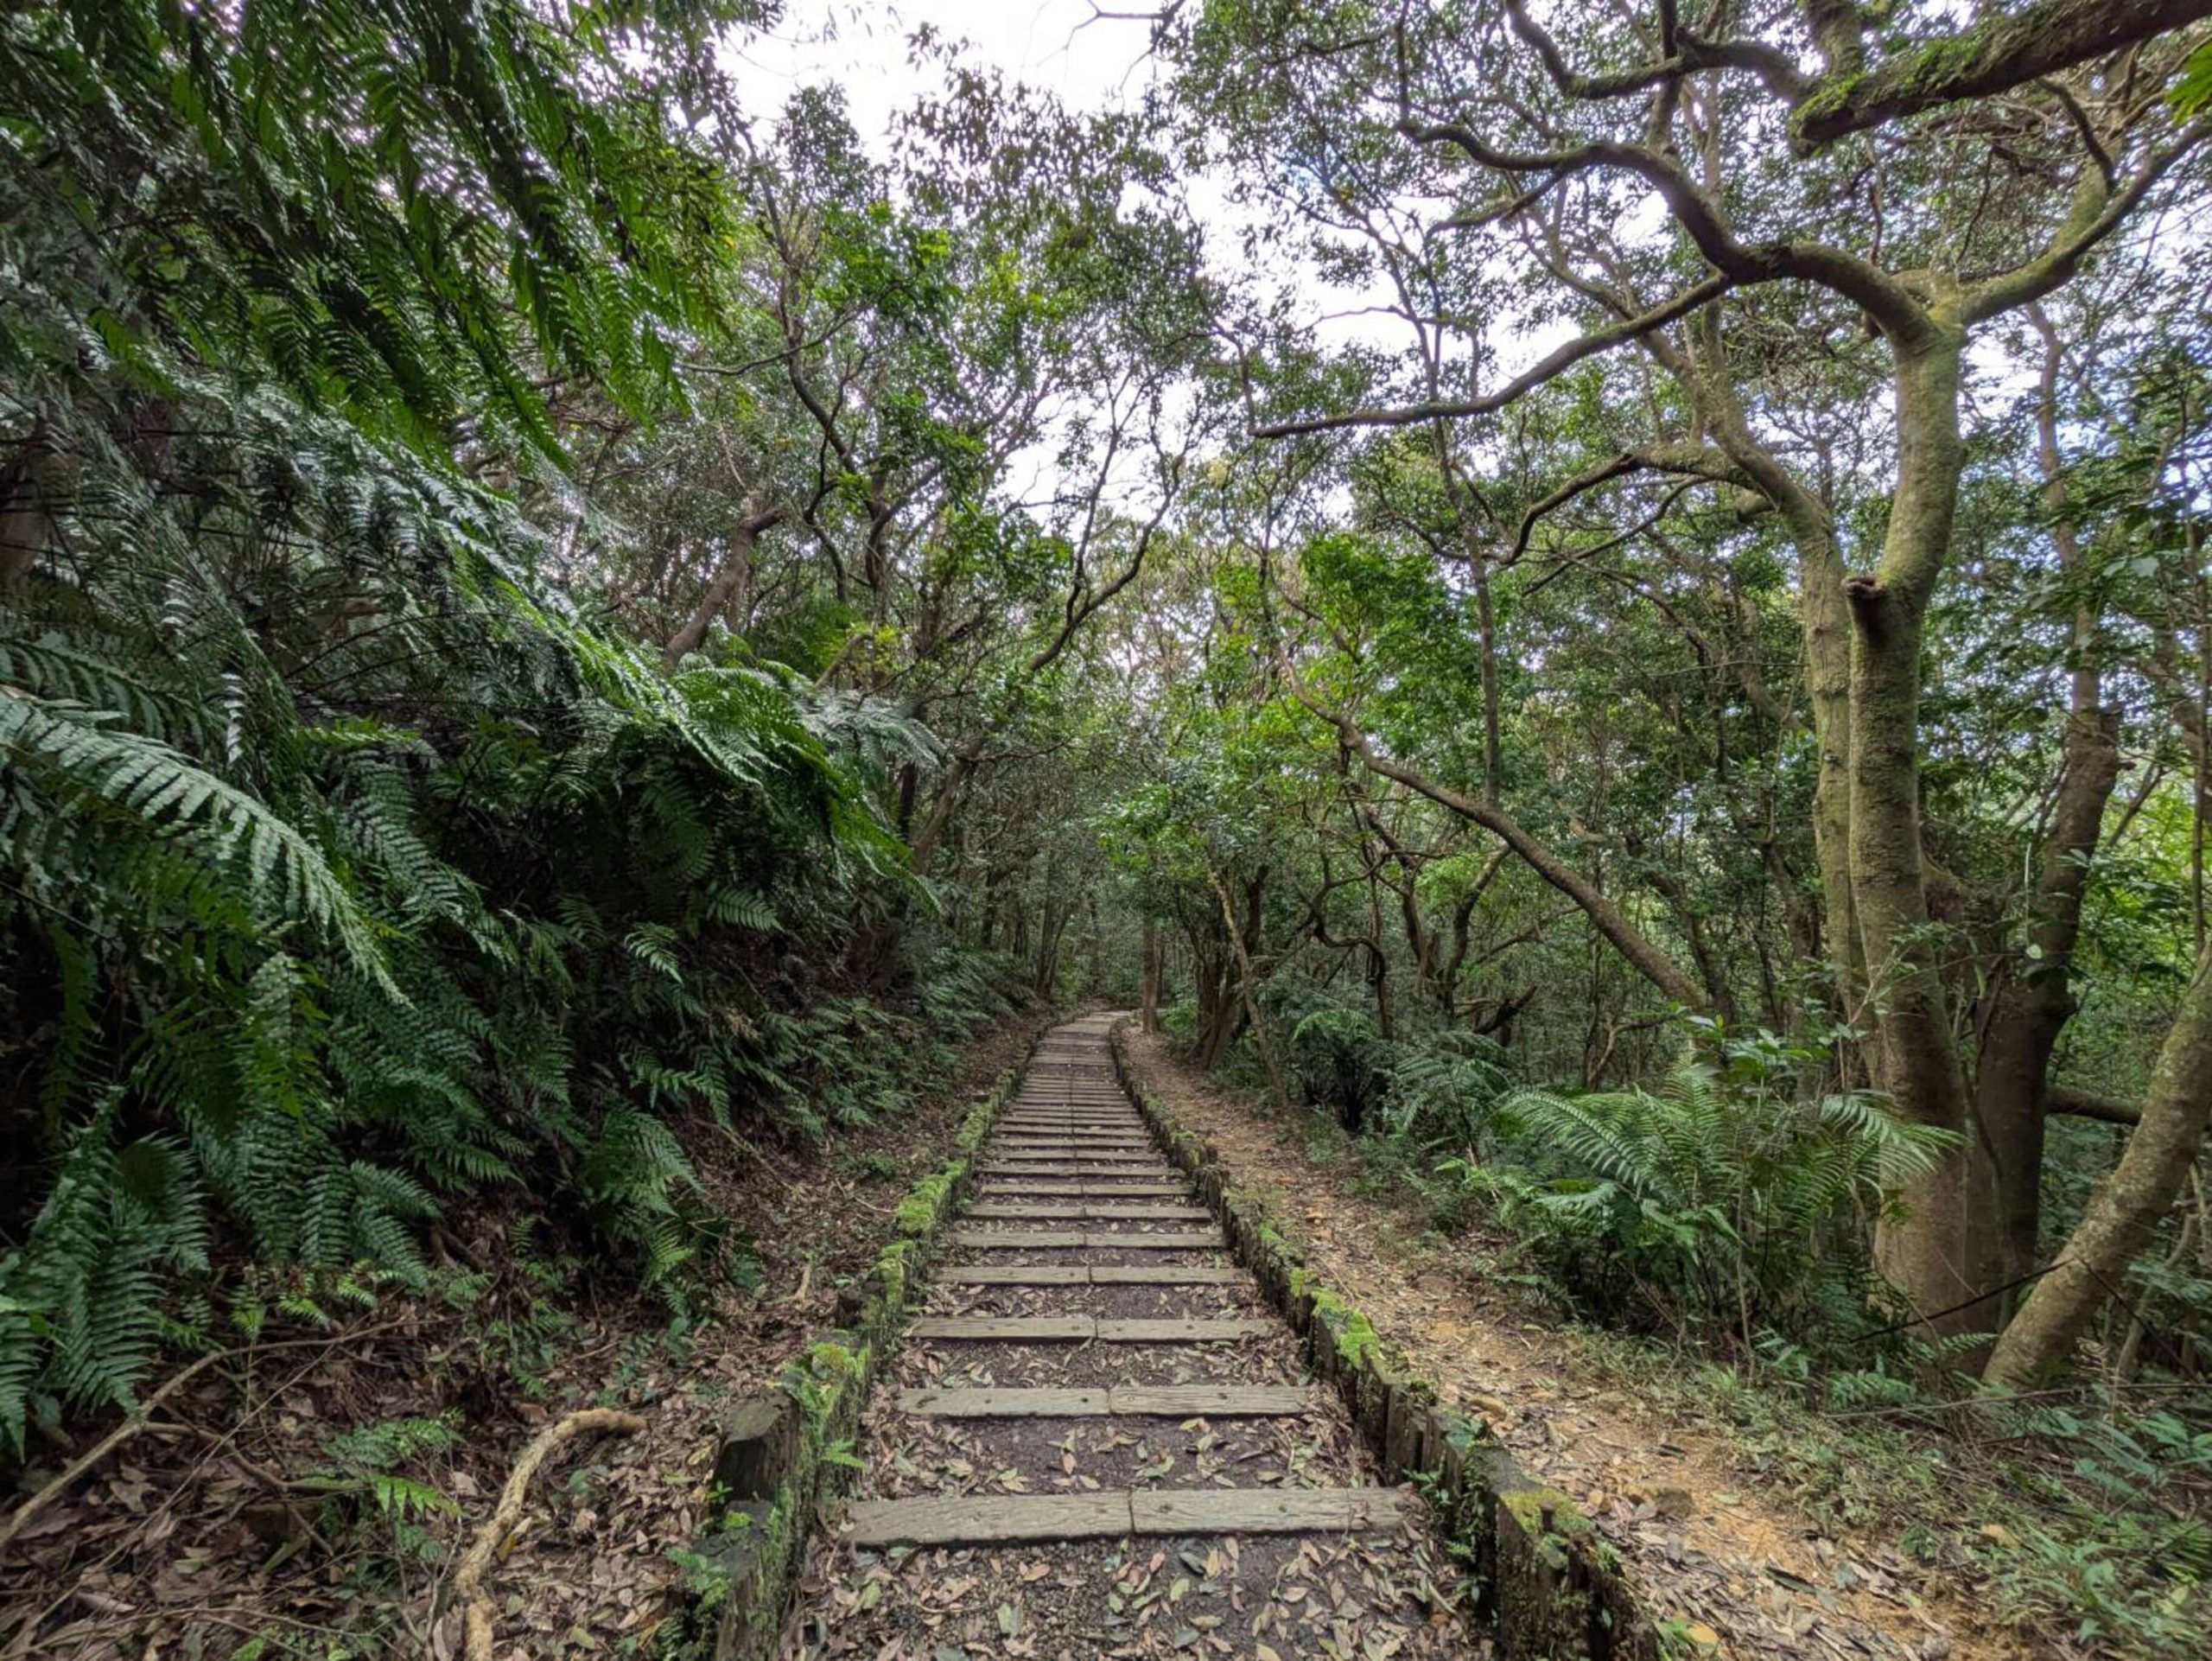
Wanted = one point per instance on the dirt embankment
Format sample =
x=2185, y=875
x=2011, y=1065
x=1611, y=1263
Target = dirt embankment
x=243, y=1506
x=1707, y=1540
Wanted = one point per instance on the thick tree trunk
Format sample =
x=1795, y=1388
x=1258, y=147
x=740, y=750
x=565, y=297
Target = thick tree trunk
x=1925, y=1253
x=1826, y=621
x=1052, y=930
x=1828, y=685
x=26, y=517
x=2127, y=1204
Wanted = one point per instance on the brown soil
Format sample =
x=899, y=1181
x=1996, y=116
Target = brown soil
x=202, y=1532
x=1704, y=1539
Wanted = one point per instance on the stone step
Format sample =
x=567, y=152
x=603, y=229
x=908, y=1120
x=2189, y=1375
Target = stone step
x=1004, y=1187
x=1088, y=1275
x=1084, y=1329
x=979, y=1520
x=1165, y=1401
x=1094, y=1211
x=982, y=1239
x=1071, y=1148
x=1024, y=1167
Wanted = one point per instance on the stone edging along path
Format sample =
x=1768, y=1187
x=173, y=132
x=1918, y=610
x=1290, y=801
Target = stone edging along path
x=1545, y=1577
x=778, y=1456
x=1056, y=1173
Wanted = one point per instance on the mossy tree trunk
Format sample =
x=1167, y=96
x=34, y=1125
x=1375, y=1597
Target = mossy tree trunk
x=1924, y=1252
x=2030, y=996
x=2126, y=1206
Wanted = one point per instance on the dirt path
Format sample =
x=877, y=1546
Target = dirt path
x=1703, y=1540
x=1099, y=1441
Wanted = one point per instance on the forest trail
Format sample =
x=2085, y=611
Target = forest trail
x=1097, y=1439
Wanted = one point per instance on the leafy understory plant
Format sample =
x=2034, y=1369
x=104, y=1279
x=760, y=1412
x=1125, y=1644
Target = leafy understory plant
x=1723, y=1201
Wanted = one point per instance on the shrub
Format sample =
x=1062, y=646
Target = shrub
x=1724, y=1202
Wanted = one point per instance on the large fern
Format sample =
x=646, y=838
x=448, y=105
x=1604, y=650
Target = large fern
x=1719, y=1201
x=347, y=868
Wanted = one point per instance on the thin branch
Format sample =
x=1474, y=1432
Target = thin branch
x=1552, y=365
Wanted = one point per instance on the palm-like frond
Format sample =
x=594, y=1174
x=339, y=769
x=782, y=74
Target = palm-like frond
x=1707, y=1200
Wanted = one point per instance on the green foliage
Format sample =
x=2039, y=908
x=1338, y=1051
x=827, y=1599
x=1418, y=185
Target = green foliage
x=371, y=1463
x=2191, y=91
x=1333, y=1057
x=1726, y=1200
x=400, y=209
x=350, y=871
x=1426, y=1091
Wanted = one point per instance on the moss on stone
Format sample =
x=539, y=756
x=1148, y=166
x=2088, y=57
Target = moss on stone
x=922, y=1211
x=1547, y=1511
x=1358, y=1344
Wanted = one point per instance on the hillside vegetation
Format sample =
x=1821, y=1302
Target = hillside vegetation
x=1615, y=600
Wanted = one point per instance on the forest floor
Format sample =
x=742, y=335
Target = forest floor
x=259, y=1500
x=1709, y=1534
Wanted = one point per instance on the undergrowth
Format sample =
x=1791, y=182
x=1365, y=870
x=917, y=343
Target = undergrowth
x=1695, y=1243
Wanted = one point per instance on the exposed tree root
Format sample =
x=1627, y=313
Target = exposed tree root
x=468, y=1579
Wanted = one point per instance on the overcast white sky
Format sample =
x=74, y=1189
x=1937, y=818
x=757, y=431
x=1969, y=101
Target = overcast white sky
x=1058, y=45
x=1062, y=46
x=1067, y=47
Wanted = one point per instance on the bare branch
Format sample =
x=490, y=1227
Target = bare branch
x=1646, y=958
x=1697, y=461
x=2098, y=213
x=1552, y=365
x=1686, y=56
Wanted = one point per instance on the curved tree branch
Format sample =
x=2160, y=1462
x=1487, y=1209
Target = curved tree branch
x=1643, y=954
x=1552, y=365
x=1688, y=54
x=1998, y=53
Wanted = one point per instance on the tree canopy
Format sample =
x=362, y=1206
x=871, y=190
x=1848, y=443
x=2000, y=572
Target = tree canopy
x=1615, y=597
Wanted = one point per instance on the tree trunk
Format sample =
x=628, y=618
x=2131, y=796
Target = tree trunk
x=2032, y=1001
x=730, y=590
x=1826, y=621
x=1213, y=976
x=1925, y=1252
x=1247, y=978
x=1148, y=987
x=2126, y=1206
